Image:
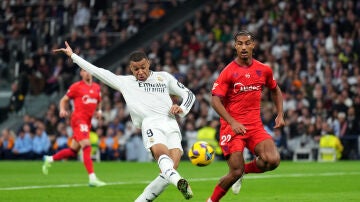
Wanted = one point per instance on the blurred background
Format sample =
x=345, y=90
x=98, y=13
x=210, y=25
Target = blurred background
x=313, y=47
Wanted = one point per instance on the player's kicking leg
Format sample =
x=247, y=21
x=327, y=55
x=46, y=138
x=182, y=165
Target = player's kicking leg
x=166, y=166
x=154, y=189
x=185, y=189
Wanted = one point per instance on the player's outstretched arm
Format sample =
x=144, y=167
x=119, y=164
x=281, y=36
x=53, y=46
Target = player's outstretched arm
x=68, y=50
x=103, y=75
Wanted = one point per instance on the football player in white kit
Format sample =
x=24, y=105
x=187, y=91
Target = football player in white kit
x=147, y=95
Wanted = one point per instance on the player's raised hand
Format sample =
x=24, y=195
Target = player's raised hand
x=68, y=50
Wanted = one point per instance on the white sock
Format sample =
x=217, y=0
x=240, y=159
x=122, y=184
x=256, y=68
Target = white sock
x=92, y=176
x=166, y=166
x=154, y=189
x=50, y=159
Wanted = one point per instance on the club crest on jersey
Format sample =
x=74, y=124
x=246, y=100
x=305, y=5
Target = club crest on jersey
x=258, y=72
x=235, y=75
x=247, y=75
x=160, y=79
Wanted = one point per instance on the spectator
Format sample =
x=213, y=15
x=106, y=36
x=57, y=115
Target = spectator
x=329, y=140
x=135, y=150
x=82, y=15
x=23, y=145
x=103, y=24
x=30, y=74
x=54, y=83
x=62, y=139
x=7, y=140
x=40, y=141
x=109, y=145
x=157, y=12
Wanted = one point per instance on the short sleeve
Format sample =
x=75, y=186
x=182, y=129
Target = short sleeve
x=221, y=85
x=72, y=91
x=270, y=80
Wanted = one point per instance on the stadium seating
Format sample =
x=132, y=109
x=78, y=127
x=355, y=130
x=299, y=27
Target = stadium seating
x=303, y=154
x=305, y=72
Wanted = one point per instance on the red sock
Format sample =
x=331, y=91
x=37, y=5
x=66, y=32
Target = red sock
x=218, y=193
x=251, y=167
x=64, y=153
x=87, y=159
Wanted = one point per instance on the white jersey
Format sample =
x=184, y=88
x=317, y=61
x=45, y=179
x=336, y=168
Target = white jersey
x=144, y=99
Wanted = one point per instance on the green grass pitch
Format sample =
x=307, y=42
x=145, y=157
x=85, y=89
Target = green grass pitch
x=22, y=181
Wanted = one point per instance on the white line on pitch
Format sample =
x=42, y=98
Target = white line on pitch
x=253, y=176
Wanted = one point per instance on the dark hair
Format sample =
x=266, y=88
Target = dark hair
x=137, y=56
x=245, y=33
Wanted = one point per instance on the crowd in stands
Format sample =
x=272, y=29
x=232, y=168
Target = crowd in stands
x=30, y=29
x=313, y=47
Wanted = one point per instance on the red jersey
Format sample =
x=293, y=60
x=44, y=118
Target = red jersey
x=85, y=98
x=240, y=88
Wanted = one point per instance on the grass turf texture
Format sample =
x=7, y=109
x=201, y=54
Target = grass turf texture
x=67, y=181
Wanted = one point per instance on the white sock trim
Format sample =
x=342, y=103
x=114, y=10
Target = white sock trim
x=166, y=165
x=92, y=176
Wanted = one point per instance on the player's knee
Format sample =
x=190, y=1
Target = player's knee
x=237, y=173
x=272, y=162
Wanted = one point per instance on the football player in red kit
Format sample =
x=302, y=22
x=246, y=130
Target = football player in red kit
x=86, y=98
x=236, y=97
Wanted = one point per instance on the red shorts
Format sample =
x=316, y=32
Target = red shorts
x=81, y=130
x=230, y=142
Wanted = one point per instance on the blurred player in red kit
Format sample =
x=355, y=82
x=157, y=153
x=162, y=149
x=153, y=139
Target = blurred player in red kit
x=86, y=98
x=236, y=97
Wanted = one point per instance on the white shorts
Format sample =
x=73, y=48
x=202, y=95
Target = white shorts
x=164, y=130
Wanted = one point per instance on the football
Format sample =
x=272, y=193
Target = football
x=201, y=154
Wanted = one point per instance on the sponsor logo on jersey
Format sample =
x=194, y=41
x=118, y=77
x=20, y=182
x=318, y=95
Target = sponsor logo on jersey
x=88, y=100
x=153, y=87
x=239, y=88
